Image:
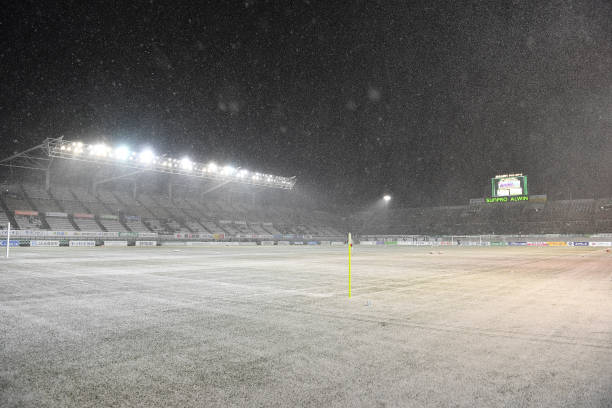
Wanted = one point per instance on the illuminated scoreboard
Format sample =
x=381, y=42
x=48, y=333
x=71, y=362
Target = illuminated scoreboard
x=509, y=185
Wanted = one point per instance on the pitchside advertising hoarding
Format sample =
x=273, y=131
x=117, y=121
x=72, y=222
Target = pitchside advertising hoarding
x=600, y=244
x=44, y=243
x=146, y=243
x=82, y=243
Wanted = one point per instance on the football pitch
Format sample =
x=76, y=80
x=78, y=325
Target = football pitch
x=273, y=326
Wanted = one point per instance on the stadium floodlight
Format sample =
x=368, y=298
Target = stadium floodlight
x=146, y=156
x=212, y=167
x=146, y=159
x=387, y=198
x=122, y=153
x=99, y=149
x=186, y=164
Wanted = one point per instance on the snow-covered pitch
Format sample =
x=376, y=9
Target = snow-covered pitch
x=273, y=326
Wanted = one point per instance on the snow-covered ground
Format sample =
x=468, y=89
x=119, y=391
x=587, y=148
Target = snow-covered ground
x=273, y=326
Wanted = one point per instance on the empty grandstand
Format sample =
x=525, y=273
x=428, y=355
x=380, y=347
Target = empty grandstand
x=583, y=216
x=99, y=194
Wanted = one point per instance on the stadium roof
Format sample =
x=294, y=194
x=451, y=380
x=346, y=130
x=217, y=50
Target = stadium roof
x=39, y=158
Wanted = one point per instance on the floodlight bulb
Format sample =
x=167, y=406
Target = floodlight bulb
x=99, y=149
x=186, y=164
x=387, y=197
x=122, y=153
x=212, y=167
x=146, y=156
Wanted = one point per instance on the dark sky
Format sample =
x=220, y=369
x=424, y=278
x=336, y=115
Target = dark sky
x=426, y=100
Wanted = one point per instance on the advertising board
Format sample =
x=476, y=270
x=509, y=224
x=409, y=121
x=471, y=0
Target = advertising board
x=600, y=244
x=82, y=243
x=116, y=243
x=44, y=243
x=146, y=243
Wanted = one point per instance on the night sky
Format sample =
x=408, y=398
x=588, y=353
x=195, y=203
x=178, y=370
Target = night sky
x=425, y=100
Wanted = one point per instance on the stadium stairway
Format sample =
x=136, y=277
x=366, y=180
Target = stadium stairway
x=174, y=219
x=123, y=221
x=97, y=221
x=41, y=216
x=9, y=214
x=61, y=207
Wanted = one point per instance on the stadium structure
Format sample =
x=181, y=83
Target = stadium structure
x=69, y=190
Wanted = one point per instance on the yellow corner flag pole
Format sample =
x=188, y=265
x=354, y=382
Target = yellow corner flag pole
x=350, y=246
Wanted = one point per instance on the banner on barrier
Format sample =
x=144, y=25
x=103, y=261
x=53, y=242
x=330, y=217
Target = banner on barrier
x=56, y=214
x=26, y=212
x=581, y=243
x=312, y=243
x=337, y=243
x=267, y=243
x=82, y=215
x=44, y=243
x=82, y=243
x=116, y=243
x=498, y=243
x=107, y=217
x=298, y=243
x=13, y=243
x=146, y=234
x=325, y=242
x=517, y=243
x=556, y=243
x=146, y=243
x=403, y=243
x=284, y=243
x=369, y=243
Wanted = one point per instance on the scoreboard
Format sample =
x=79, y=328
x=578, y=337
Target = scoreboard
x=509, y=185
